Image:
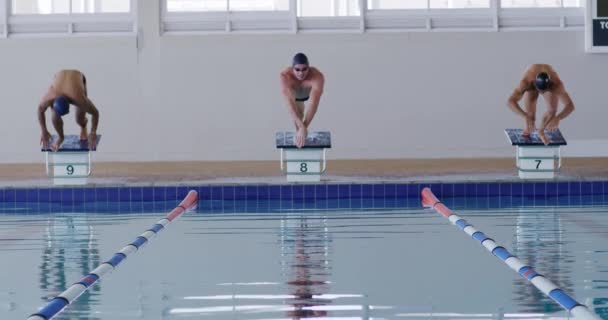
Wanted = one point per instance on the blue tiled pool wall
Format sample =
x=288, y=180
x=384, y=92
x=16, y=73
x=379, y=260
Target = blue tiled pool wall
x=260, y=198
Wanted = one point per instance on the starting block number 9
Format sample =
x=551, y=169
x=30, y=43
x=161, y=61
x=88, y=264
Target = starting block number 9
x=70, y=169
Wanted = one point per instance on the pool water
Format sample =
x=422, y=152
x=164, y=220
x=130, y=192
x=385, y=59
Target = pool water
x=387, y=263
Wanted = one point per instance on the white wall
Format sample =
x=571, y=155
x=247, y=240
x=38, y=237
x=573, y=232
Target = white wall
x=217, y=97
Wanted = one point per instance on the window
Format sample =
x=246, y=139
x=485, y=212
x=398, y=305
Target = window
x=459, y=4
x=328, y=8
x=424, y=4
x=220, y=16
x=540, y=3
x=69, y=6
x=224, y=5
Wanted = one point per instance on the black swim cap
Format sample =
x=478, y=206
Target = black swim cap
x=542, y=81
x=299, y=58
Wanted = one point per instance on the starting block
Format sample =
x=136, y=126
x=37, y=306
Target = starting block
x=534, y=159
x=304, y=164
x=71, y=164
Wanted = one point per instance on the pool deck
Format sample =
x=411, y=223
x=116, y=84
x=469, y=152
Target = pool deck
x=268, y=172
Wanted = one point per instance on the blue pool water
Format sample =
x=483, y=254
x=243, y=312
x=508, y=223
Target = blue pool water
x=337, y=258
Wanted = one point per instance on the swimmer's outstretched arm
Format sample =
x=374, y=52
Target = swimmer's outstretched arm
x=315, y=97
x=45, y=135
x=513, y=104
x=94, y=123
x=290, y=98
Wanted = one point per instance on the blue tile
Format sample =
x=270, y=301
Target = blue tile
x=309, y=192
x=482, y=189
x=460, y=190
x=551, y=189
x=298, y=204
x=217, y=193
x=44, y=195
x=378, y=202
x=401, y=190
x=235, y=192
x=320, y=192
x=67, y=195
x=78, y=195
x=332, y=191
x=344, y=191
x=367, y=203
x=101, y=194
x=344, y=203
x=367, y=191
x=356, y=203
x=147, y=193
x=137, y=207
x=31, y=195
x=147, y=206
x=124, y=206
x=182, y=192
x=597, y=187
x=137, y=194
x=470, y=190
x=297, y=192
x=124, y=194
x=21, y=195
x=540, y=189
x=204, y=193
x=378, y=191
x=493, y=189
x=563, y=188
x=321, y=203
x=286, y=204
x=286, y=193
x=505, y=189
x=54, y=196
x=171, y=193
x=89, y=194
x=113, y=194
x=528, y=189
x=263, y=193
x=251, y=193
x=517, y=189
x=414, y=190
x=274, y=192
x=390, y=190
x=447, y=190
x=575, y=188
x=333, y=203
x=586, y=188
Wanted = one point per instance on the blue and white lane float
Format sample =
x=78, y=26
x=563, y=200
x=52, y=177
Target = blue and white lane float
x=577, y=310
x=57, y=304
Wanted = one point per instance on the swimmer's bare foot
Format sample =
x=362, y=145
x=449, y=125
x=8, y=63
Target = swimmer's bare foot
x=57, y=144
x=525, y=133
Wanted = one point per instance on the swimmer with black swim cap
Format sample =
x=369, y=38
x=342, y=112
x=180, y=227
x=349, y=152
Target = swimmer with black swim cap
x=69, y=87
x=541, y=79
x=301, y=83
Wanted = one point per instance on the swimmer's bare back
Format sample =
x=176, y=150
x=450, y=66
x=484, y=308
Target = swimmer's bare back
x=69, y=83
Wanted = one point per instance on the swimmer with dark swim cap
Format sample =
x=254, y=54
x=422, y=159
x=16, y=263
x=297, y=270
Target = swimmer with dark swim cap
x=541, y=79
x=69, y=87
x=301, y=83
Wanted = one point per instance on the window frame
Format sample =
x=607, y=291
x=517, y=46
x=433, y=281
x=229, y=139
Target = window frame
x=67, y=24
x=494, y=18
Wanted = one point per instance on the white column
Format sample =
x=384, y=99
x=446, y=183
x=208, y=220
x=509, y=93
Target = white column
x=148, y=62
